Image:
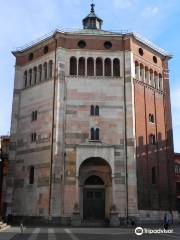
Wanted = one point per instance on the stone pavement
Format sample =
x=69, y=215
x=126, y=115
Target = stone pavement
x=13, y=233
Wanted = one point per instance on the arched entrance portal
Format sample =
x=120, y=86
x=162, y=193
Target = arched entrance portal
x=95, y=184
x=94, y=199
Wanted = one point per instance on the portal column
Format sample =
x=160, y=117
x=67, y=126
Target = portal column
x=77, y=189
x=114, y=214
x=113, y=189
x=76, y=218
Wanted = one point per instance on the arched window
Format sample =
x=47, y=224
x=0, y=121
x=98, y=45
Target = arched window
x=81, y=67
x=31, y=175
x=92, y=110
x=97, y=134
x=40, y=73
x=151, y=118
x=116, y=67
x=97, y=111
x=99, y=67
x=46, y=49
x=137, y=70
x=33, y=137
x=92, y=134
x=141, y=72
x=30, y=77
x=108, y=67
x=35, y=115
x=151, y=77
x=35, y=74
x=94, y=180
x=50, y=69
x=152, y=139
x=73, y=66
x=153, y=175
x=25, y=79
x=156, y=80
x=90, y=67
x=33, y=118
x=45, y=70
x=146, y=75
x=160, y=82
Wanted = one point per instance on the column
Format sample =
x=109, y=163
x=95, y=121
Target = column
x=112, y=69
x=94, y=67
x=103, y=62
x=77, y=66
x=86, y=67
x=152, y=79
x=113, y=190
x=144, y=75
x=77, y=190
x=137, y=67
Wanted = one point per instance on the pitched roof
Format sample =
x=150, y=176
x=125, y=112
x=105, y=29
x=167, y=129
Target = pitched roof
x=92, y=15
x=94, y=32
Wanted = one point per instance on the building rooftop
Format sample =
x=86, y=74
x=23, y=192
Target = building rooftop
x=93, y=32
x=92, y=27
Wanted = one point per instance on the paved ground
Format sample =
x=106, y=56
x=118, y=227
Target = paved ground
x=13, y=233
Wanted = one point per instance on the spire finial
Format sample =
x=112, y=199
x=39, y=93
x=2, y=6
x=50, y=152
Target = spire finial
x=92, y=21
x=92, y=6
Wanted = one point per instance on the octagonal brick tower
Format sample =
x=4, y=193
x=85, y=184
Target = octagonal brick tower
x=91, y=132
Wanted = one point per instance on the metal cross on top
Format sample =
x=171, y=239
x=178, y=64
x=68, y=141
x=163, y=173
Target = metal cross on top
x=92, y=6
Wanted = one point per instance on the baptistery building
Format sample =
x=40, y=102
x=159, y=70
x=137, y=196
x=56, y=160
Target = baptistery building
x=91, y=132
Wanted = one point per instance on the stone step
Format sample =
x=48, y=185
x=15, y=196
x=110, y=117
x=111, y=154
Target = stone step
x=92, y=223
x=2, y=225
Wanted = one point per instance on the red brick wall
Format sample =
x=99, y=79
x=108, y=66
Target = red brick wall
x=70, y=42
x=149, y=100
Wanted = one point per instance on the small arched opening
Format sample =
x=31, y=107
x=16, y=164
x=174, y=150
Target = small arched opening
x=94, y=180
x=90, y=67
x=141, y=72
x=107, y=64
x=31, y=175
x=40, y=73
x=81, y=66
x=35, y=74
x=160, y=82
x=50, y=70
x=45, y=71
x=137, y=73
x=116, y=67
x=25, y=79
x=99, y=67
x=30, y=77
x=73, y=66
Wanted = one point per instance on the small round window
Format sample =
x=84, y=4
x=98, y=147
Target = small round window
x=31, y=56
x=108, y=45
x=81, y=44
x=141, y=52
x=154, y=59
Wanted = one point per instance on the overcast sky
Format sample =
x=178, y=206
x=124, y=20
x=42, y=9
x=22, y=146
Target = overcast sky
x=24, y=21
